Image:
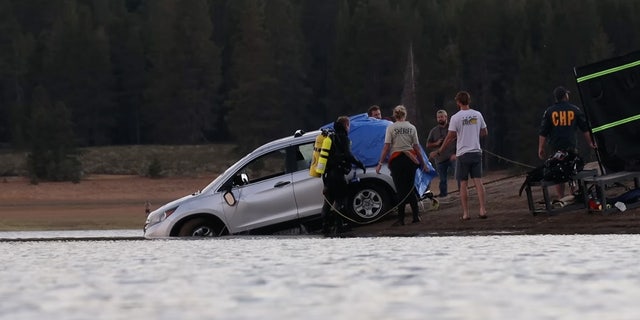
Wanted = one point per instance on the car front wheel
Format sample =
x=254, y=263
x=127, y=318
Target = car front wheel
x=200, y=227
x=369, y=202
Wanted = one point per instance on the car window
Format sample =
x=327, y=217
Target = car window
x=266, y=166
x=307, y=151
x=304, y=155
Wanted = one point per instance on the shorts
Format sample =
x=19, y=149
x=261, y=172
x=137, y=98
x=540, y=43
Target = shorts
x=469, y=165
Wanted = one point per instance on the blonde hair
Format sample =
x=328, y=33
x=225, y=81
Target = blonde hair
x=441, y=111
x=399, y=112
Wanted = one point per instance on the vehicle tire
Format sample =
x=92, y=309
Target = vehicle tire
x=369, y=202
x=200, y=227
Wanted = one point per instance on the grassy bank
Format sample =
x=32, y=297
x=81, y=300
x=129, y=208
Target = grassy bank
x=186, y=160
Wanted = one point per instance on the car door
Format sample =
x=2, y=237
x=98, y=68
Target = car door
x=266, y=198
x=307, y=189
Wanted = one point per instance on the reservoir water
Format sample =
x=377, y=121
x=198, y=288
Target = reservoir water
x=73, y=275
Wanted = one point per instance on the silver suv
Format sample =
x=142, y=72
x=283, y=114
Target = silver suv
x=269, y=191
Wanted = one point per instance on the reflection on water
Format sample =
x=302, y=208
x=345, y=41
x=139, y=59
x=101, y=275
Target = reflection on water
x=493, y=277
x=54, y=234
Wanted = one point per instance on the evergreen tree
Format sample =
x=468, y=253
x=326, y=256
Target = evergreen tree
x=255, y=98
x=141, y=71
x=529, y=88
x=600, y=48
x=36, y=17
x=15, y=48
x=620, y=24
x=184, y=71
x=318, y=23
x=53, y=155
x=283, y=29
x=340, y=87
x=77, y=71
x=371, y=55
x=129, y=67
x=438, y=58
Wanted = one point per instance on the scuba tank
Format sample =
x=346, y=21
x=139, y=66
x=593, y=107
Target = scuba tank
x=324, y=155
x=316, y=153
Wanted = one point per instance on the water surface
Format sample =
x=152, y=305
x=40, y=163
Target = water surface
x=482, y=277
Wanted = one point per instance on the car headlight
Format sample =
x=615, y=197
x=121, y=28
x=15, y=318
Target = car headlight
x=159, y=216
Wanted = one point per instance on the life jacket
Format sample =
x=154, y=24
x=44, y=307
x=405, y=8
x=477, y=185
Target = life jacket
x=321, y=150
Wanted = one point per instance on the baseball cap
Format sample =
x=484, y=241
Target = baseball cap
x=559, y=93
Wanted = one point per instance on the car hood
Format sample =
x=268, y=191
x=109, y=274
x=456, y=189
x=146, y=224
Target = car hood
x=180, y=201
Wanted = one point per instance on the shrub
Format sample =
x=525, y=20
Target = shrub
x=155, y=169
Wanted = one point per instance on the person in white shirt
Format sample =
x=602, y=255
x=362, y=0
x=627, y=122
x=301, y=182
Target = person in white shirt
x=467, y=126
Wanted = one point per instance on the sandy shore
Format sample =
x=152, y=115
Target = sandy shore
x=98, y=202
x=104, y=202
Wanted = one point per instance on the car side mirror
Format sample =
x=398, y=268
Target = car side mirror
x=230, y=198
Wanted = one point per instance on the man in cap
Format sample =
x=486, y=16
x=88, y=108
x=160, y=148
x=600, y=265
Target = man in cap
x=558, y=128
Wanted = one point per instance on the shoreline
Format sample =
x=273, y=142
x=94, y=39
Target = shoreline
x=105, y=202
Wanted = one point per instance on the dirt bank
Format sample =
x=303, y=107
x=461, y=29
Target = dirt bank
x=118, y=202
x=98, y=202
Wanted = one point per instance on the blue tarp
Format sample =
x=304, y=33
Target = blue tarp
x=367, y=140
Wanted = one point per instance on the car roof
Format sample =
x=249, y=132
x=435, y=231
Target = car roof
x=292, y=139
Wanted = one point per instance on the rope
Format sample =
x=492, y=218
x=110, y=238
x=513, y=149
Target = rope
x=509, y=160
x=343, y=215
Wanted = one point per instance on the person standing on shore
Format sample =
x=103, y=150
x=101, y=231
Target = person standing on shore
x=467, y=126
x=558, y=128
x=447, y=159
x=374, y=112
x=401, y=141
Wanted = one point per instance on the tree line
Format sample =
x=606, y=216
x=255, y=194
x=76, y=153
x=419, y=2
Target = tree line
x=119, y=72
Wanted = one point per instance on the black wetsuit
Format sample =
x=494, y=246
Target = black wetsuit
x=335, y=184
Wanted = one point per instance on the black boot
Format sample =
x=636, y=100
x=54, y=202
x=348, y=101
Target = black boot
x=343, y=226
x=400, y=221
x=416, y=211
x=416, y=216
x=330, y=224
x=326, y=230
x=326, y=218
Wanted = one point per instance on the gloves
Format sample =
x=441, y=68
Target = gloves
x=361, y=166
